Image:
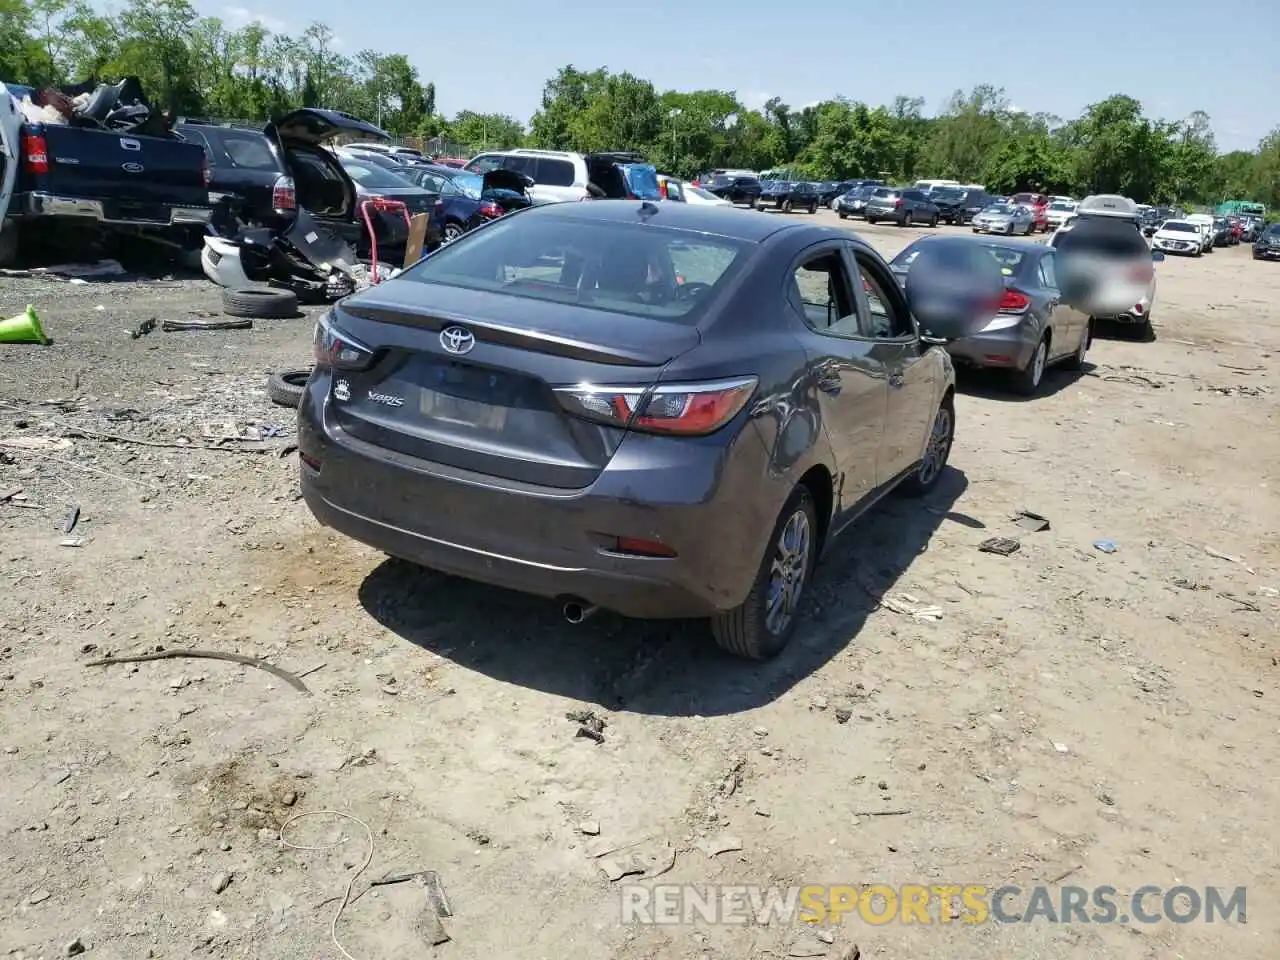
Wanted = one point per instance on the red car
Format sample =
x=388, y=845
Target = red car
x=1039, y=205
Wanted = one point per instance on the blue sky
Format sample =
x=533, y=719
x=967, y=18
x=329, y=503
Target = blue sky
x=1175, y=56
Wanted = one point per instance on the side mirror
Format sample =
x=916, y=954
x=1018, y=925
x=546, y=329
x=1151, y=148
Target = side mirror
x=1157, y=256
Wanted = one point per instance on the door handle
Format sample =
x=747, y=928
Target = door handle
x=896, y=381
x=830, y=385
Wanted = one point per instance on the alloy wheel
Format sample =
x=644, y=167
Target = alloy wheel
x=788, y=571
x=935, y=454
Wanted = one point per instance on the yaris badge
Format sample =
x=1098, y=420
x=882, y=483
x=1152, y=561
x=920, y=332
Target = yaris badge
x=457, y=340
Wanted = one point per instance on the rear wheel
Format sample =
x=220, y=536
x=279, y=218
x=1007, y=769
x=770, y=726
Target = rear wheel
x=870, y=219
x=453, y=230
x=8, y=243
x=761, y=627
x=907, y=219
x=813, y=208
x=786, y=205
x=933, y=221
x=936, y=453
x=842, y=215
x=1027, y=380
x=1077, y=359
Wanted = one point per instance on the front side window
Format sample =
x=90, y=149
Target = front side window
x=819, y=289
x=887, y=316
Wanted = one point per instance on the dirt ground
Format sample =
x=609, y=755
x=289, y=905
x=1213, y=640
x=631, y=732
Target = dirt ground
x=1075, y=716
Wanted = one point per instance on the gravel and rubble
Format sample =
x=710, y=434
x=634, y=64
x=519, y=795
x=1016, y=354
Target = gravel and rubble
x=1060, y=715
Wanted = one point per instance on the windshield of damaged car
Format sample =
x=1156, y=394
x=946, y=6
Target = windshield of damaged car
x=1002, y=209
x=368, y=175
x=621, y=267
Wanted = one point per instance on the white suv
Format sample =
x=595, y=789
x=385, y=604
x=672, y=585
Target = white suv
x=558, y=175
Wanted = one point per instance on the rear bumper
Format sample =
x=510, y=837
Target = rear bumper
x=1005, y=349
x=107, y=212
x=714, y=506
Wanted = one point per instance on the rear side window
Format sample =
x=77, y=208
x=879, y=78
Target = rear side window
x=245, y=150
x=627, y=268
x=554, y=173
x=485, y=162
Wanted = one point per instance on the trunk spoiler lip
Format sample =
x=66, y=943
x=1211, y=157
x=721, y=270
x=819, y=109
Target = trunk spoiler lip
x=508, y=335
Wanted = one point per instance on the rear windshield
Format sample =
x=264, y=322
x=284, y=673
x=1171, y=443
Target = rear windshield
x=1062, y=205
x=367, y=175
x=1106, y=241
x=1007, y=257
x=883, y=192
x=1002, y=208
x=947, y=193
x=629, y=268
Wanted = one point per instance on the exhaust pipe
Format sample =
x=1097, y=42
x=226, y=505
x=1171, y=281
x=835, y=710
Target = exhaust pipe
x=576, y=612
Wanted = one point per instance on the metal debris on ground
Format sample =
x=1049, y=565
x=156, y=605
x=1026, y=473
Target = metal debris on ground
x=590, y=726
x=1001, y=546
x=142, y=329
x=910, y=606
x=714, y=846
x=1238, y=390
x=1106, y=546
x=1031, y=521
x=72, y=518
x=644, y=863
x=205, y=323
x=1219, y=555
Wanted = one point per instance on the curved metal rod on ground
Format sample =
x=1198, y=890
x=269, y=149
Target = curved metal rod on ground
x=247, y=661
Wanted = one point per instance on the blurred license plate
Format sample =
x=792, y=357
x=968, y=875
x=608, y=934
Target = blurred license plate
x=470, y=413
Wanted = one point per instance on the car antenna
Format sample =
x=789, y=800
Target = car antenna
x=648, y=209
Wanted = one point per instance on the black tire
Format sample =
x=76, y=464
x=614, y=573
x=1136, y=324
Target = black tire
x=1027, y=380
x=933, y=222
x=266, y=303
x=1145, y=332
x=941, y=438
x=287, y=386
x=744, y=631
x=453, y=230
x=842, y=215
x=907, y=220
x=785, y=205
x=8, y=243
x=870, y=219
x=813, y=208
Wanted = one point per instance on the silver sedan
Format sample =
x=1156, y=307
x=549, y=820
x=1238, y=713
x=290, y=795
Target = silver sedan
x=1010, y=219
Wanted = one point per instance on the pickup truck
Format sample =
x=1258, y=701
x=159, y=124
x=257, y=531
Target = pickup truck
x=62, y=175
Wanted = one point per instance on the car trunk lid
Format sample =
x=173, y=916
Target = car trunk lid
x=469, y=382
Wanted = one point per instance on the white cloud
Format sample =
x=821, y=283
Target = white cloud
x=237, y=17
x=755, y=99
x=1014, y=108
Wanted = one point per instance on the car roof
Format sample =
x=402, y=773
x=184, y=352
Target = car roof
x=711, y=219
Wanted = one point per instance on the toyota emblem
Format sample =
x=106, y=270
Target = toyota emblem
x=457, y=339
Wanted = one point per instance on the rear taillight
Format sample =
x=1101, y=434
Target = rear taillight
x=335, y=350
x=685, y=409
x=283, y=195
x=35, y=153
x=489, y=209
x=898, y=203
x=1013, y=301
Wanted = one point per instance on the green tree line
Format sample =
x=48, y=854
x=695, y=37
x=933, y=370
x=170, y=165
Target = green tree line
x=198, y=66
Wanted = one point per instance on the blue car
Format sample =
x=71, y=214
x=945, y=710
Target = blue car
x=471, y=199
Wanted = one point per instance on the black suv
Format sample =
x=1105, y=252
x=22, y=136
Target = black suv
x=736, y=188
x=957, y=205
x=788, y=195
x=267, y=175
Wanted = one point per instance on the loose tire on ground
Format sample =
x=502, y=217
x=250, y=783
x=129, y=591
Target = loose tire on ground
x=266, y=303
x=286, y=387
x=744, y=631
